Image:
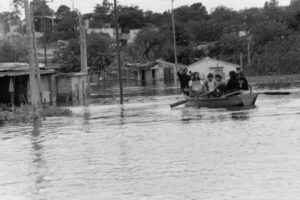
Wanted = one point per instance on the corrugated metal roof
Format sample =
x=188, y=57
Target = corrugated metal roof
x=15, y=67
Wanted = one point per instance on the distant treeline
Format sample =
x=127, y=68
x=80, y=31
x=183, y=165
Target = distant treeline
x=272, y=32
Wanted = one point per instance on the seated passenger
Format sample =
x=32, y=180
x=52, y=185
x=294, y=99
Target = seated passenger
x=243, y=81
x=210, y=84
x=220, y=88
x=184, y=80
x=196, y=85
x=232, y=84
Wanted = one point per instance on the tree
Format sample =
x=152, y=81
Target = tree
x=40, y=8
x=99, y=54
x=68, y=26
x=196, y=12
x=130, y=17
x=267, y=31
x=101, y=14
x=62, y=11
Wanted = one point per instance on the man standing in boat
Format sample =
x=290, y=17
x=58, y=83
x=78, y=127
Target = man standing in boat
x=184, y=80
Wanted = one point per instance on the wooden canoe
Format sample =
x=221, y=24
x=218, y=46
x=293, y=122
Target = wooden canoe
x=241, y=100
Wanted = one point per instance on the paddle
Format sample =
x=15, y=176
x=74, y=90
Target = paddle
x=187, y=100
x=232, y=93
x=275, y=93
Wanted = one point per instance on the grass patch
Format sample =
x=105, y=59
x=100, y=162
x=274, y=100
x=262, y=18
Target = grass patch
x=24, y=114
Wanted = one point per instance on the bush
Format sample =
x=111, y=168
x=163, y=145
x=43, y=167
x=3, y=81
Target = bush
x=24, y=114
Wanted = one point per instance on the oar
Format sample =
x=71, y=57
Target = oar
x=232, y=93
x=187, y=100
x=275, y=93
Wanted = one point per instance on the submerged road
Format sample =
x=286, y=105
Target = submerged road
x=144, y=150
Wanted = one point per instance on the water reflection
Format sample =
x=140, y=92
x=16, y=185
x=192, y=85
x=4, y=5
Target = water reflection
x=240, y=116
x=38, y=161
x=145, y=150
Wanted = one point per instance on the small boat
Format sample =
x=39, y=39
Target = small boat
x=239, y=100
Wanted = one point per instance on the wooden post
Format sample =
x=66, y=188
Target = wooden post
x=175, y=47
x=53, y=89
x=118, y=52
x=83, y=59
x=241, y=60
x=83, y=51
x=32, y=77
x=249, y=54
x=37, y=67
x=44, y=36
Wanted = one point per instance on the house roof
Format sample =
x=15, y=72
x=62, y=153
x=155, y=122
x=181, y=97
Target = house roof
x=19, y=69
x=212, y=59
x=156, y=64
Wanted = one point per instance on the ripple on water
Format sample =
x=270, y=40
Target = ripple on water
x=145, y=150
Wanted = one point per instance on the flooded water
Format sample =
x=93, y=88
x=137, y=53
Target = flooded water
x=144, y=150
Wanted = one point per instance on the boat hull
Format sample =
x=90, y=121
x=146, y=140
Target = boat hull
x=241, y=100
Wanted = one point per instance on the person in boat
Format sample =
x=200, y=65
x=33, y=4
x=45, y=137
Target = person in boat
x=233, y=83
x=196, y=85
x=210, y=84
x=243, y=82
x=184, y=80
x=220, y=88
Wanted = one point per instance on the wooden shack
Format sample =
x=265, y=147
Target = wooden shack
x=72, y=88
x=14, y=84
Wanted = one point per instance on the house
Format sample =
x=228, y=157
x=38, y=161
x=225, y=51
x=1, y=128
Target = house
x=110, y=31
x=14, y=81
x=72, y=88
x=127, y=37
x=210, y=65
x=158, y=70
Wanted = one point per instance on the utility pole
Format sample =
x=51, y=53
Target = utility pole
x=249, y=53
x=83, y=51
x=241, y=60
x=32, y=77
x=44, y=36
x=10, y=36
x=44, y=30
x=37, y=67
x=174, y=42
x=72, y=4
x=118, y=52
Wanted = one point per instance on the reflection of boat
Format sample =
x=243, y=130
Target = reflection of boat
x=241, y=100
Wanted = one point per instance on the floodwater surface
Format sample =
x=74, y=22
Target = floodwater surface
x=144, y=150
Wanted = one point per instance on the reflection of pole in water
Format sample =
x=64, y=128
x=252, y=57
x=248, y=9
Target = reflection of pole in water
x=37, y=157
x=36, y=127
x=122, y=116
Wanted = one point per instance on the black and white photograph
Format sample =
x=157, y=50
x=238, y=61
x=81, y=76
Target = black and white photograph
x=149, y=99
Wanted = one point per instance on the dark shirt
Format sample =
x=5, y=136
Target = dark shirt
x=184, y=80
x=232, y=85
x=219, y=91
x=243, y=83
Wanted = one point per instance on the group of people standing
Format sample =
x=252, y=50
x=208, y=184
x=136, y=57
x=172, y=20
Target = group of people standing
x=192, y=85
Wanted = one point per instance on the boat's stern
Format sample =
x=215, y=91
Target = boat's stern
x=248, y=99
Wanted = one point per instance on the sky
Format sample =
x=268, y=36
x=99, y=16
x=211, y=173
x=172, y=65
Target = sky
x=86, y=6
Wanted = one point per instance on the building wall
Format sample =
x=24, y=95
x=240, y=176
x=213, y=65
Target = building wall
x=72, y=88
x=210, y=66
x=132, y=35
x=110, y=31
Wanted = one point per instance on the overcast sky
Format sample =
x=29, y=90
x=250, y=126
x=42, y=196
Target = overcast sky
x=156, y=5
